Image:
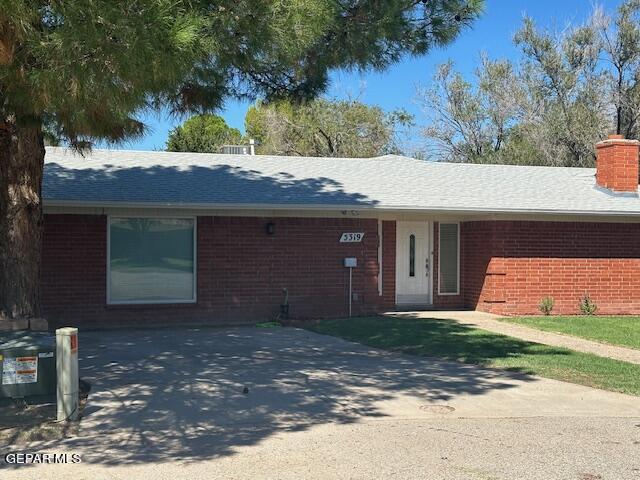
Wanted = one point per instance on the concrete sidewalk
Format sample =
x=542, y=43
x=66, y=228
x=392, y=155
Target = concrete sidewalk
x=487, y=321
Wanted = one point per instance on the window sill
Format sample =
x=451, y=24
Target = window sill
x=119, y=305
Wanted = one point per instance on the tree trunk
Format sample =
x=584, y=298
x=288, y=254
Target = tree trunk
x=21, y=166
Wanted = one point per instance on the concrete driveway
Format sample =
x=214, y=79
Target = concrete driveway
x=171, y=404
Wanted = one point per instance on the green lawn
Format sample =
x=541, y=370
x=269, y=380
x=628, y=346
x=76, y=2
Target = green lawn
x=624, y=331
x=449, y=340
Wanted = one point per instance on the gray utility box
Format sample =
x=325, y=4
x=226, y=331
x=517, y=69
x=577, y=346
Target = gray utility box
x=27, y=364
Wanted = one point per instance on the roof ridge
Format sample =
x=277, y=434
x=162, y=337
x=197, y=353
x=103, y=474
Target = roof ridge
x=226, y=155
x=388, y=156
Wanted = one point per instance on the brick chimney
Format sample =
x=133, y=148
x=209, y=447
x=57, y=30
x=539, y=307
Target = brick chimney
x=617, y=164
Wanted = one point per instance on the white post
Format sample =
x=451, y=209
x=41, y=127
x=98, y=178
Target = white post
x=350, y=289
x=380, y=257
x=252, y=146
x=67, y=372
x=350, y=263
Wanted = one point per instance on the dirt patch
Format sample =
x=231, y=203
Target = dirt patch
x=29, y=420
x=590, y=476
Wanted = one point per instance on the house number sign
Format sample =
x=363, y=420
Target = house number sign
x=351, y=237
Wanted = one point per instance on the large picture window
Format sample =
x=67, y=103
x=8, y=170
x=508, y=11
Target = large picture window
x=449, y=259
x=151, y=260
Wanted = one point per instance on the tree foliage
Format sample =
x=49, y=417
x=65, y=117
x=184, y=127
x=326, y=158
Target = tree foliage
x=471, y=122
x=91, y=66
x=87, y=69
x=566, y=92
x=620, y=43
x=324, y=128
x=202, y=133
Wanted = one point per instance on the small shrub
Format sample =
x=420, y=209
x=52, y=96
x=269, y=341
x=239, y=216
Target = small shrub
x=546, y=305
x=587, y=306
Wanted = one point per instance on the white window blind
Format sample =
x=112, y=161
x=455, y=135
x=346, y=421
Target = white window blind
x=449, y=258
x=151, y=260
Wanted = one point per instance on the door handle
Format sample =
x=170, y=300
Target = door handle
x=426, y=267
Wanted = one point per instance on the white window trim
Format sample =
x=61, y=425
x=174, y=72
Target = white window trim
x=380, y=284
x=457, y=292
x=154, y=302
x=431, y=233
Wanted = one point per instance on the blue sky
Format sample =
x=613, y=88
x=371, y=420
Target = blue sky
x=396, y=87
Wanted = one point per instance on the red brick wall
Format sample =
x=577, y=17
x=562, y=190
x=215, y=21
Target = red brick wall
x=74, y=267
x=478, y=281
x=506, y=268
x=241, y=271
x=509, y=266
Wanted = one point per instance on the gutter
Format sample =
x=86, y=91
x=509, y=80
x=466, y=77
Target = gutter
x=348, y=208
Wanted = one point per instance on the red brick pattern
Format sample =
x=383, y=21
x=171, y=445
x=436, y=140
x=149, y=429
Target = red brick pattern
x=506, y=268
x=74, y=266
x=476, y=278
x=617, y=164
x=510, y=266
x=241, y=271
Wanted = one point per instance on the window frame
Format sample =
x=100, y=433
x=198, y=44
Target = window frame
x=457, y=292
x=195, y=261
x=412, y=255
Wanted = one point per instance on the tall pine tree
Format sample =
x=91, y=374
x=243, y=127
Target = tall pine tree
x=87, y=69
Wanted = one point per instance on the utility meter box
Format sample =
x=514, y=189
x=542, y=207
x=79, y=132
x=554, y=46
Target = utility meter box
x=27, y=364
x=351, y=262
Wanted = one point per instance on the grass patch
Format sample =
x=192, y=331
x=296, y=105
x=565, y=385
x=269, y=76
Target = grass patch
x=268, y=324
x=623, y=331
x=451, y=341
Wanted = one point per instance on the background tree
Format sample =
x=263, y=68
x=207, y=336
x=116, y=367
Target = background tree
x=88, y=68
x=471, y=122
x=202, y=133
x=324, y=128
x=566, y=101
x=620, y=42
x=566, y=92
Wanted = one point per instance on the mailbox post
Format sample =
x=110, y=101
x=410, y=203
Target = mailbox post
x=67, y=372
x=350, y=263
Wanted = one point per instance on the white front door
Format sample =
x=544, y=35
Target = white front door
x=412, y=263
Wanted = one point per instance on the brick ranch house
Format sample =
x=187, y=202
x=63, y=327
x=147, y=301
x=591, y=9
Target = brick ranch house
x=156, y=237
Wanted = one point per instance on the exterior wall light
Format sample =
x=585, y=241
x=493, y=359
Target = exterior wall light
x=271, y=228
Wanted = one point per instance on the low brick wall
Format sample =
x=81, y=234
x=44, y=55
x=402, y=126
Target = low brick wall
x=509, y=266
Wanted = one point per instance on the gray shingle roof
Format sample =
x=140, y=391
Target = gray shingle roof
x=108, y=177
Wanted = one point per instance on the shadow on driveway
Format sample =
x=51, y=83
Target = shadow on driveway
x=178, y=394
